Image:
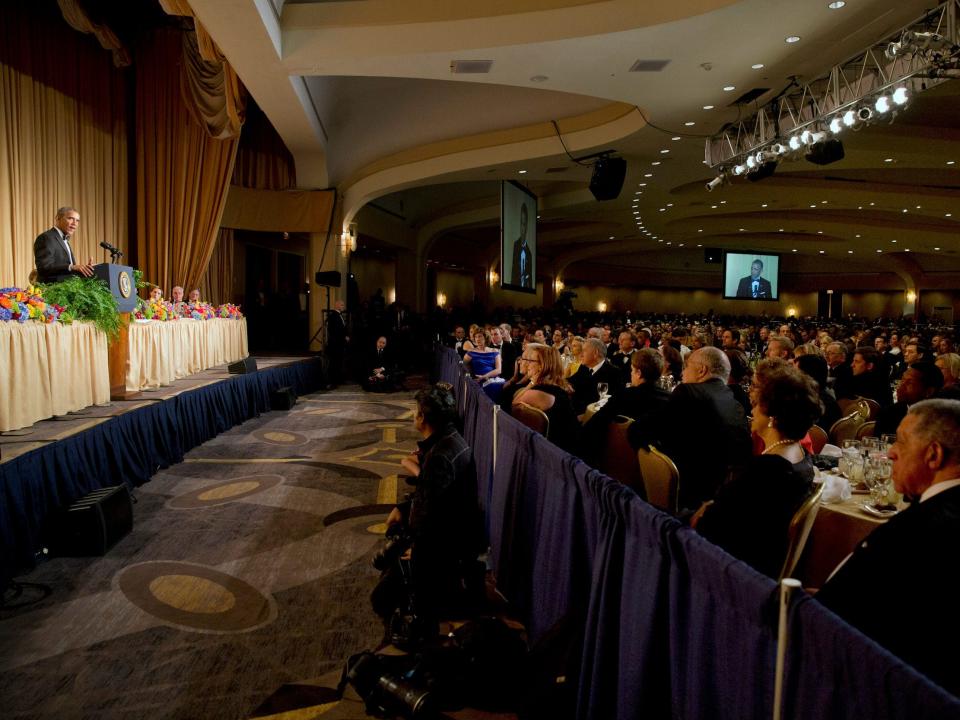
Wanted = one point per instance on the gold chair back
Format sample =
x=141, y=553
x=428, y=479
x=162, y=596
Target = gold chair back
x=618, y=459
x=799, y=531
x=868, y=429
x=534, y=418
x=846, y=428
x=660, y=478
x=818, y=438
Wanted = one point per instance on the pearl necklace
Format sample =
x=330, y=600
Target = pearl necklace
x=776, y=445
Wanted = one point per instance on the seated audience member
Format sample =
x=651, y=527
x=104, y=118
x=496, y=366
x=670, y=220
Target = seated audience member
x=194, y=296
x=672, y=362
x=750, y=515
x=441, y=516
x=627, y=344
x=485, y=364
x=945, y=346
x=816, y=367
x=500, y=342
x=912, y=352
x=574, y=356
x=899, y=585
x=547, y=390
x=921, y=381
x=779, y=346
x=838, y=369
x=949, y=365
x=703, y=428
x=594, y=369
x=869, y=378
x=381, y=373
x=740, y=373
x=456, y=341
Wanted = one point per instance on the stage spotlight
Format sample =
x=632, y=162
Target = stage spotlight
x=824, y=153
x=715, y=183
x=893, y=51
x=812, y=138
x=836, y=125
x=900, y=96
x=864, y=114
x=850, y=118
x=805, y=137
x=751, y=162
x=763, y=171
x=765, y=156
x=795, y=142
x=882, y=104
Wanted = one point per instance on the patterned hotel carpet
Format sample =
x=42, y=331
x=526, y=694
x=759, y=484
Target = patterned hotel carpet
x=245, y=580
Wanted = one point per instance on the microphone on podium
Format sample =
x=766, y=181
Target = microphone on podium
x=115, y=252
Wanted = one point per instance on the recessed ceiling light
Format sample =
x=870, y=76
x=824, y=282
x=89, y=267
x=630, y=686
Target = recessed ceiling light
x=636, y=212
x=655, y=163
x=664, y=152
x=888, y=159
x=641, y=184
x=836, y=4
x=539, y=78
x=663, y=209
x=948, y=214
x=906, y=249
x=689, y=124
x=950, y=162
x=757, y=66
x=669, y=204
x=822, y=252
x=708, y=107
x=893, y=241
x=794, y=250
x=813, y=206
x=763, y=205
x=871, y=204
x=859, y=207
x=648, y=174
x=858, y=235
x=699, y=245
x=792, y=39
x=904, y=210
x=681, y=244
x=713, y=207
x=936, y=248
x=823, y=202
x=918, y=207
x=522, y=172
x=779, y=229
x=700, y=230
x=729, y=88
x=674, y=138
x=638, y=193
x=723, y=202
x=879, y=250
x=819, y=232
x=849, y=252
x=612, y=237
x=742, y=230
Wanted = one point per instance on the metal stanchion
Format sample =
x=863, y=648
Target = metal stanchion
x=787, y=587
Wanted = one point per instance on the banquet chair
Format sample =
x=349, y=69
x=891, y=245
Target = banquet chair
x=534, y=418
x=799, y=531
x=617, y=458
x=868, y=429
x=818, y=438
x=867, y=408
x=660, y=478
x=846, y=428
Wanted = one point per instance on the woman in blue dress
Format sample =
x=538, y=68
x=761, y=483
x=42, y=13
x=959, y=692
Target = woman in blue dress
x=484, y=364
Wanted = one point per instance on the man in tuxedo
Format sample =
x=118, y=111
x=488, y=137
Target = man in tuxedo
x=593, y=369
x=52, y=253
x=900, y=583
x=703, y=428
x=754, y=286
x=839, y=374
x=380, y=372
x=921, y=381
x=338, y=338
x=620, y=359
x=522, y=274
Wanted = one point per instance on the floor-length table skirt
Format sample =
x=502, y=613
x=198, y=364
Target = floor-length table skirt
x=48, y=370
x=161, y=352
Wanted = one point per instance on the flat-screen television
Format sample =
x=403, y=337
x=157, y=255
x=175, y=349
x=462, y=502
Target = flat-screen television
x=751, y=276
x=518, y=238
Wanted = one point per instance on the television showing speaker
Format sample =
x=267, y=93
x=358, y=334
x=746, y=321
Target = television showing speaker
x=751, y=276
x=518, y=237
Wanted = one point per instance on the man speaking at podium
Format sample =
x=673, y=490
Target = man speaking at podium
x=754, y=286
x=52, y=253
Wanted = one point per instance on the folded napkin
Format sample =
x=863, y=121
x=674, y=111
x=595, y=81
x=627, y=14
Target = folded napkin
x=831, y=451
x=836, y=488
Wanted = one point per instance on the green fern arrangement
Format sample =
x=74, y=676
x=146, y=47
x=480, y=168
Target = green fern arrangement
x=87, y=299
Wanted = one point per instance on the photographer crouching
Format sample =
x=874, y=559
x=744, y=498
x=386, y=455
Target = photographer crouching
x=429, y=564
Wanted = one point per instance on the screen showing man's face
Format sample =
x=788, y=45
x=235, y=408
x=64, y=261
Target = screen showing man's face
x=756, y=269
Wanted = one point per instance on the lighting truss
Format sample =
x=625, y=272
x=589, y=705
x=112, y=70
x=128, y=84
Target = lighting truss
x=926, y=53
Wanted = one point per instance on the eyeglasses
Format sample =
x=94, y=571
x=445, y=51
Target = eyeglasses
x=533, y=360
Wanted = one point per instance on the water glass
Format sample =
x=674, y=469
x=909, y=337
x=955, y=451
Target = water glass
x=602, y=389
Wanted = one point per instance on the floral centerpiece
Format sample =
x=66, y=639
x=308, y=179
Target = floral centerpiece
x=18, y=305
x=229, y=311
x=155, y=310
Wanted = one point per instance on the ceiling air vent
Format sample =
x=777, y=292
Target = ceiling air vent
x=649, y=65
x=463, y=67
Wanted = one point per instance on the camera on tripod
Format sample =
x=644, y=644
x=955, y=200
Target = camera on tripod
x=399, y=541
x=385, y=693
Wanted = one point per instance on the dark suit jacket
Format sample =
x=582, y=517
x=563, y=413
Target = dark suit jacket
x=584, y=384
x=51, y=258
x=745, y=289
x=900, y=587
x=336, y=330
x=525, y=280
x=643, y=403
x=704, y=431
x=622, y=363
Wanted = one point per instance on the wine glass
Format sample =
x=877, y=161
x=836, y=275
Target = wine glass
x=602, y=388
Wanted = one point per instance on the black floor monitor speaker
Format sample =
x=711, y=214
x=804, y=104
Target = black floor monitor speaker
x=93, y=524
x=328, y=278
x=283, y=398
x=242, y=367
x=608, y=175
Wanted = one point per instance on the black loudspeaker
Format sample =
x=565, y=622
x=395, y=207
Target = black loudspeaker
x=712, y=256
x=328, y=278
x=824, y=153
x=242, y=367
x=283, y=398
x=93, y=524
x=608, y=175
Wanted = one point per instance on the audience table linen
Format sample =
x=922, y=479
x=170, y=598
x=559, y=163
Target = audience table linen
x=50, y=370
x=161, y=352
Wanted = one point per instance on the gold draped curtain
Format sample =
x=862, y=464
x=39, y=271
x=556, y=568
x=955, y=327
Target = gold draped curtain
x=63, y=137
x=217, y=284
x=183, y=173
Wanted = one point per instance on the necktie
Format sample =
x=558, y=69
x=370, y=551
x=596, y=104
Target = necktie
x=756, y=287
x=66, y=241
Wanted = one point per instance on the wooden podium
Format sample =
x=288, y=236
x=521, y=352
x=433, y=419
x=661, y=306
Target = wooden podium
x=119, y=278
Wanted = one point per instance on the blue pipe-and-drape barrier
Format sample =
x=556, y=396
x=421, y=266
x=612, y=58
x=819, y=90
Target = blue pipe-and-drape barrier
x=130, y=449
x=671, y=625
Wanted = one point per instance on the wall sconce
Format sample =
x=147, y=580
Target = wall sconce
x=602, y=306
x=348, y=240
x=392, y=295
x=558, y=285
x=494, y=278
x=441, y=299
x=791, y=311
x=911, y=296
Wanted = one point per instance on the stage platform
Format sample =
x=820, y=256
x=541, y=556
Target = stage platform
x=50, y=464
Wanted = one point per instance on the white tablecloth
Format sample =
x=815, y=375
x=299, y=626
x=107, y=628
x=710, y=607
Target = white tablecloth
x=161, y=352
